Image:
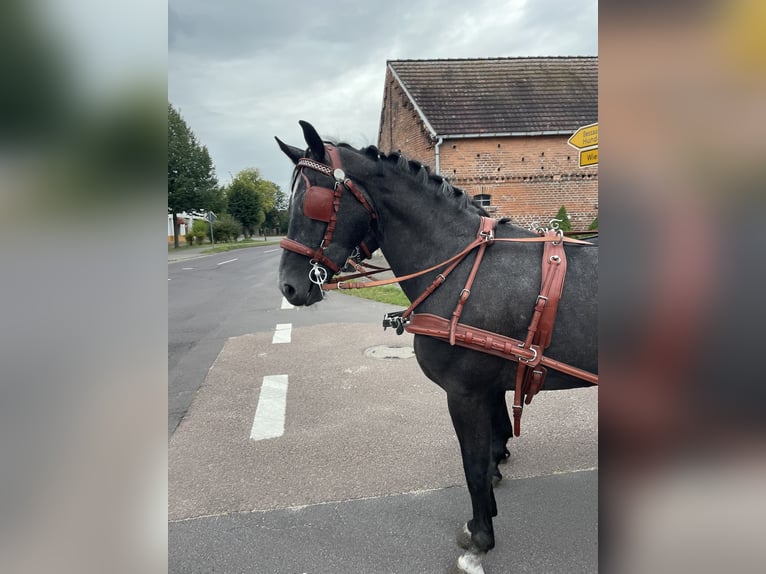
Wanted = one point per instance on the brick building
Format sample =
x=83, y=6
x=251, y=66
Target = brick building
x=498, y=129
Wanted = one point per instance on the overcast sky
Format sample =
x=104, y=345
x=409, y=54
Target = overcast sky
x=243, y=71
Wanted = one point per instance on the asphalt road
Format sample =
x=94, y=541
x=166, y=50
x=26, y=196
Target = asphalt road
x=365, y=475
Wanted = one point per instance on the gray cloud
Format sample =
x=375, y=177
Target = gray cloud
x=242, y=72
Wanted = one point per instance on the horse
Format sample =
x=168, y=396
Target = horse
x=420, y=222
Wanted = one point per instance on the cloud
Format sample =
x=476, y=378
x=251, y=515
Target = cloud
x=243, y=72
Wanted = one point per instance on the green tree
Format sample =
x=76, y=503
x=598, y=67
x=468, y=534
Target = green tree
x=276, y=217
x=562, y=215
x=253, y=200
x=245, y=203
x=191, y=177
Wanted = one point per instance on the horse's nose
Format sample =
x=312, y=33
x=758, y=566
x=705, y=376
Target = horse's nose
x=288, y=291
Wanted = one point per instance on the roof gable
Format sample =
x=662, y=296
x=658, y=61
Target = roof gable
x=502, y=95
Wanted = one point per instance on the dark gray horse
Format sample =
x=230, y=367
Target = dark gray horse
x=420, y=220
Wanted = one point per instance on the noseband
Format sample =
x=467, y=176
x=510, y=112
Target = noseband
x=321, y=204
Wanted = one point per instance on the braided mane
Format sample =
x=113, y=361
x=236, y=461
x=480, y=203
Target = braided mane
x=420, y=173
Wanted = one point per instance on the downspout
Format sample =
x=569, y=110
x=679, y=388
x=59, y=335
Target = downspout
x=439, y=141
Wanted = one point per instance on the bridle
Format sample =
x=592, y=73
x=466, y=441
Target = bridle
x=321, y=204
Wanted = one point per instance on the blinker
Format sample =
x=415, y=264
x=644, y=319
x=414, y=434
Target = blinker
x=317, y=203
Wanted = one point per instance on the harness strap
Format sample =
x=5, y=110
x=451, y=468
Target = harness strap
x=487, y=234
x=341, y=282
x=492, y=344
x=314, y=254
x=529, y=379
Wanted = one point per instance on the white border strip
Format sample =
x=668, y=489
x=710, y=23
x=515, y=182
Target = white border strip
x=269, y=421
x=282, y=333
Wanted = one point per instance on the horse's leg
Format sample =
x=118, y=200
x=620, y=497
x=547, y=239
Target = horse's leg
x=472, y=419
x=501, y=432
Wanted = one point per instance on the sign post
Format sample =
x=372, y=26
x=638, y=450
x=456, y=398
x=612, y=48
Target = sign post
x=211, y=218
x=585, y=140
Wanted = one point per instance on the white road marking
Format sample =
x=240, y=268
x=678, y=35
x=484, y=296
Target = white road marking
x=228, y=261
x=271, y=250
x=168, y=278
x=286, y=304
x=269, y=419
x=187, y=268
x=282, y=333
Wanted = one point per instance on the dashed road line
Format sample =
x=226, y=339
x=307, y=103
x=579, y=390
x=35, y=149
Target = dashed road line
x=282, y=333
x=228, y=261
x=271, y=250
x=269, y=421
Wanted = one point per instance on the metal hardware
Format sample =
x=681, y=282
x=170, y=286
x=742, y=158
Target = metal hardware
x=339, y=175
x=396, y=321
x=532, y=360
x=317, y=274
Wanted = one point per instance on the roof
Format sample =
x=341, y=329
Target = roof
x=502, y=95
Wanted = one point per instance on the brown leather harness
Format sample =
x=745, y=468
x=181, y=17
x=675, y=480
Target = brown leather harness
x=322, y=204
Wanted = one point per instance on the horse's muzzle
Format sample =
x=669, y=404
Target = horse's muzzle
x=301, y=296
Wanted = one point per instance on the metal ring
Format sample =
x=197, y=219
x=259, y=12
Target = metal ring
x=555, y=258
x=317, y=274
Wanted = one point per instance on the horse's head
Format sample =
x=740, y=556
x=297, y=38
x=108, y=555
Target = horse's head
x=329, y=216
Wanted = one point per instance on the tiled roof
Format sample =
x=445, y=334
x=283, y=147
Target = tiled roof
x=502, y=95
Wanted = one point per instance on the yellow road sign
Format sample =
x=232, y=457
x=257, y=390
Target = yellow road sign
x=586, y=136
x=588, y=157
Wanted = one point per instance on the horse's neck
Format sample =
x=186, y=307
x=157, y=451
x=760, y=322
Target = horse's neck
x=422, y=230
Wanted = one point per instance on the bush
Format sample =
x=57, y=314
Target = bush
x=594, y=225
x=226, y=228
x=200, y=230
x=564, y=223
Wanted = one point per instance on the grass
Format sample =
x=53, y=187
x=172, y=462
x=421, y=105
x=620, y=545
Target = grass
x=221, y=247
x=391, y=294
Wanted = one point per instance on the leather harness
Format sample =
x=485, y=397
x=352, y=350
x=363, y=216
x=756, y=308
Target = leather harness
x=322, y=204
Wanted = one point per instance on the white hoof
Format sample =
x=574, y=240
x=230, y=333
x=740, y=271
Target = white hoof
x=470, y=563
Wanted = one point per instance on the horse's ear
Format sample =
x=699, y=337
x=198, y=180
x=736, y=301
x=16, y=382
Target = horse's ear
x=316, y=145
x=293, y=153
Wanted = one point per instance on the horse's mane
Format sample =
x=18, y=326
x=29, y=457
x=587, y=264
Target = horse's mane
x=421, y=173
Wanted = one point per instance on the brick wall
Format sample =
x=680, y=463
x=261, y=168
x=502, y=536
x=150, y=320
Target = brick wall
x=401, y=128
x=528, y=178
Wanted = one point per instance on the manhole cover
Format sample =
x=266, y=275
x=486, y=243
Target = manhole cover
x=389, y=352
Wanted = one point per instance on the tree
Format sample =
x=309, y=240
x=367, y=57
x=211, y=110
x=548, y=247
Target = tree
x=245, y=203
x=192, y=183
x=252, y=200
x=276, y=217
x=563, y=217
